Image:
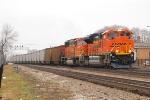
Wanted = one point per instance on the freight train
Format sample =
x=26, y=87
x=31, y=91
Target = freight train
x=108, y=49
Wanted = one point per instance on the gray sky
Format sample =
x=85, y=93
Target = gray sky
x=55, y=21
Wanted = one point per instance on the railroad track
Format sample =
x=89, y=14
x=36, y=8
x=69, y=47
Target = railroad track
x=138, y=87
x=139, y=73
x=124, y=72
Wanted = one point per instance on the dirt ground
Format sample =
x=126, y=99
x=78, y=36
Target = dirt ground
x=75, y=89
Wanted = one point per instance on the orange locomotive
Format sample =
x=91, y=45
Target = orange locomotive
x=111, y=49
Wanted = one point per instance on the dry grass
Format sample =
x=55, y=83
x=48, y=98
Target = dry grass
x=15, y=86
x=24, y=86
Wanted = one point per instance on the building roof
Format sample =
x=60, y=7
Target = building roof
x=141, y=45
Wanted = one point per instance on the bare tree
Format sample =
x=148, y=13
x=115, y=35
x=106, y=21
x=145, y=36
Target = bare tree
x=148, y=37
x=143, y=33
x=8, y=37
x=136, y=33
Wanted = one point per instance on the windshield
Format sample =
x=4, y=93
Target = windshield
x=112, y=35
x=125, y=34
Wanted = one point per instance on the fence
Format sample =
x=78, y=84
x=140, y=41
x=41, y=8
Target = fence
x=140, y=62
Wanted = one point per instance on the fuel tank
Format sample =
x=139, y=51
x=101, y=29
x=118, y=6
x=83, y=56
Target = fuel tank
x=94, y=60
x=69, y=62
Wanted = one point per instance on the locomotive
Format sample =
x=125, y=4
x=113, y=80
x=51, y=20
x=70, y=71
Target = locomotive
x=108, y=49
x=111, y=49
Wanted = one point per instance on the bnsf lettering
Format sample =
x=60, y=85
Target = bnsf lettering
x=120, y=44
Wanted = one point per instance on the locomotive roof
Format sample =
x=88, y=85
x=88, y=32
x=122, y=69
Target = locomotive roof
x=114, y=30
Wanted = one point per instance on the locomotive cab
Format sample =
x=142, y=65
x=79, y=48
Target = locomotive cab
x=121, y=48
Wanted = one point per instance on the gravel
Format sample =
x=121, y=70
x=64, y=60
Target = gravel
x=73, y=89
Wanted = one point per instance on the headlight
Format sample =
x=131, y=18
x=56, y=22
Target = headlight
x=130, y=51
x=117, y=50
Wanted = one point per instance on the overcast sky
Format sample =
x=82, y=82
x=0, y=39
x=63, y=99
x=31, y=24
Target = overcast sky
x=55, y=21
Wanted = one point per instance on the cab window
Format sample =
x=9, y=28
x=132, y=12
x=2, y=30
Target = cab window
x=81, y=42
x=112, y=35
x=125, y=34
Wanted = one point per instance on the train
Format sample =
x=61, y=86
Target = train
x=112, y=48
